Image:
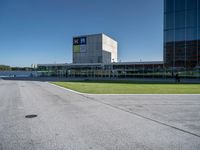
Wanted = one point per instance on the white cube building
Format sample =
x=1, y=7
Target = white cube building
x=96, y=48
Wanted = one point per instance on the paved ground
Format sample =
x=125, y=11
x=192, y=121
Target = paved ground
x=70, y=121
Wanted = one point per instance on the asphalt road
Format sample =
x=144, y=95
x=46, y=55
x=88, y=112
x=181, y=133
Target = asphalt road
x=71, y=121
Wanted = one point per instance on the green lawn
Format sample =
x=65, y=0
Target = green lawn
x=130, y=88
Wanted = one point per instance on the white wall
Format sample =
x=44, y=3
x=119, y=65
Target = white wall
x=111, y=46
x=97, y=48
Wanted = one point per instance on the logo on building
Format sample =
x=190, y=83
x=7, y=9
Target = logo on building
x=79, y=44
x=79, y=41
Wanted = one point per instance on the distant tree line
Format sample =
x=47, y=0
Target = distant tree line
x=8, y=68
x=22, y=69
x=4, y=67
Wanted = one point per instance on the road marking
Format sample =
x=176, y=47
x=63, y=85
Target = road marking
x=65, y=88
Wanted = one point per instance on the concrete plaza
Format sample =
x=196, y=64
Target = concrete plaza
x=74, y=121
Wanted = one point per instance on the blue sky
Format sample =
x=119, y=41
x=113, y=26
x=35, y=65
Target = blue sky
x=41, y=31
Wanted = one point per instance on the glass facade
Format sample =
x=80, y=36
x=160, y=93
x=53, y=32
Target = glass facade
x=182, y=33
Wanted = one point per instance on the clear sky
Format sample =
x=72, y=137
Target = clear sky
x=41, y=31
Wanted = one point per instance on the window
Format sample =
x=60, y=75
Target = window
x=192, y=18
x=180, y=35
x=169, y=5
x=180, y=19
x=169, y=21
x=191, y=34
x=179, y=5
x=169, y=36
x=191, y=4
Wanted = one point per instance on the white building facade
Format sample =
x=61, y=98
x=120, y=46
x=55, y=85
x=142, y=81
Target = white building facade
x=96, y=48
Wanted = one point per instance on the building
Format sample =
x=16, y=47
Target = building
x=96, y=48
x=152, y=69
x=96, y=55
x=182, y=34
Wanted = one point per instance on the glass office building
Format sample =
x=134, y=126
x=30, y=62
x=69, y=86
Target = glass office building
x=182, y=34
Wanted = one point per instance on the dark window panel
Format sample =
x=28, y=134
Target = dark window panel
x=165, y=5
x=180, y=5
x=180, y=35
x=180, y=19
x=169, y=21
x=169, y=36
x=180, y=63
x=191, y=34
x=198, y=15
x=180, y=53
x=198, y=4
x=198, y=38
x=191, y=4
x=191, y=18
x=169, y=5
x=169, y=47
x=191, y=56
x=165, y=21
x=191, y=43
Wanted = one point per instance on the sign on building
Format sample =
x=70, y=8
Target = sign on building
x=79, y=44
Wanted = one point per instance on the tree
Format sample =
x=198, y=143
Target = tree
x=4, y=67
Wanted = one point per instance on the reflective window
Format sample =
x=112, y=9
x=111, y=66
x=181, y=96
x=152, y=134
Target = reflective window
x=198, y=4
x=169, y=5
x=180, y=35
x=198, y=14
x=179, y=5
x=192, y=18
x=191, y=34
x=180, y=20
x=169, y=21
x=169, y=36
x=191, y=4
x=198, y=34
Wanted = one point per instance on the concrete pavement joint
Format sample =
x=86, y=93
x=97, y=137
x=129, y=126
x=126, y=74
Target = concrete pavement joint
x=136, y=114
x=141, y=116
x=93, y=121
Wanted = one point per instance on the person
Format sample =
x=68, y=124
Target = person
x=177, y=78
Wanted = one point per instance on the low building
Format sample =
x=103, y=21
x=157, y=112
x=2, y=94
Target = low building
x=96, y=48
x=120, y=69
